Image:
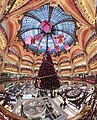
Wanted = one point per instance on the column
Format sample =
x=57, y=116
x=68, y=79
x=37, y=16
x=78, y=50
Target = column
x=86, y=58
x=4, y=59
x=19, y=65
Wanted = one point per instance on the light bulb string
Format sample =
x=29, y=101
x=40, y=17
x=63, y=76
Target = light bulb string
x=48, y=63
x=46, y=76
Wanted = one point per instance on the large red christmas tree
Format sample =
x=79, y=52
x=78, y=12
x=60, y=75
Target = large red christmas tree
x=47, y=75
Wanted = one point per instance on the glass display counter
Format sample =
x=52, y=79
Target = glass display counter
x=73, y=93
x=34, y=109
x=39, y=109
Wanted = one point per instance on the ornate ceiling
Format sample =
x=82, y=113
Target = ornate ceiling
x=48, y=25
x=13, y=49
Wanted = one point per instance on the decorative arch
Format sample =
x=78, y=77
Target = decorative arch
x=18, y=48
x=75, y=50
x=29, y=55
x=84, y=36
x=13, y=27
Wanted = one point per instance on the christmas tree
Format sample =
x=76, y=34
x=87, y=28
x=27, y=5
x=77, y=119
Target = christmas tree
x=47, y=74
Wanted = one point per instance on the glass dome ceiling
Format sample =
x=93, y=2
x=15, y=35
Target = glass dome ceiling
x=48, y=25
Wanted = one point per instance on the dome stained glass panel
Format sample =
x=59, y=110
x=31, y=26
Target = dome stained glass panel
x=50, y=25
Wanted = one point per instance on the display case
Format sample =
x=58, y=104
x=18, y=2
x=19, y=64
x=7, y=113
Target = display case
x=39, y=109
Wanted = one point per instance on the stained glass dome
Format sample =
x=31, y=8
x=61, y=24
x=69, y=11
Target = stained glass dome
x=50, y=25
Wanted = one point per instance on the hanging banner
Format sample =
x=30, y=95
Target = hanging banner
x=46, y=26
x=31, y=40
x=67, y=47
x=38, y=47
x=58, y=39
x=38, y=37
x=57, y=48
x=28, y=40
